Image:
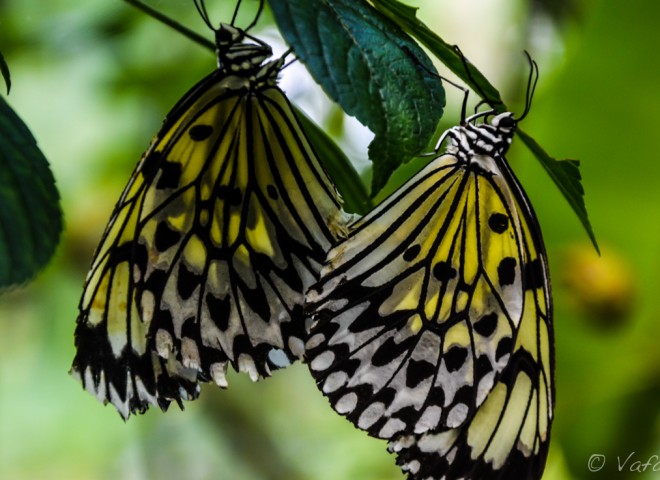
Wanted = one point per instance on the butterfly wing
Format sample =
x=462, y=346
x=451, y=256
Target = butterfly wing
x=421, y=312
x=245, y=243
x=221, y=229
x=112, y=359
x=508, y=436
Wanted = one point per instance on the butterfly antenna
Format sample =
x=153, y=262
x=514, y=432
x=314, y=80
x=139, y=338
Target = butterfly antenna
x=532, y=80
x=164, y=19
x=256, y=17
x=290, y=62
x=233, y=18
x=475, y=85
x=201, y=9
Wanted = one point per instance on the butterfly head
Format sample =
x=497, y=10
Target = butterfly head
x=236, y=55
x=504, y=122
x=499, y=132
x=488, y=138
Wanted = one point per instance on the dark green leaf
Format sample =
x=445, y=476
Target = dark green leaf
x=4, y=70
x=405, y=17
x=566, y=175
x=372, y=69
x=30, y=216
x=356, y=198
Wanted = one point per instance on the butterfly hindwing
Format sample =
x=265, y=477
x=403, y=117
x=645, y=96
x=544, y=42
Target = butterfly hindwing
x=221, y=229
x=432, y=319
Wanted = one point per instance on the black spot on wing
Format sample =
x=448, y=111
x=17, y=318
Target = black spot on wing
x=464, y=395
x=259, y=303
x=170, y=175
x=231, y=194
x=443, y=271
x=350, y=366
x=186, y=282
x=150, y=165
x=485, y=326
x=220, y=309
x=140, y=256
x=154, y=283
x=411, y=253
x=498, y=222
x=272, y=192
x=483, y=366
x=190, y=328
x=533, y=275
x=390, y=350
x=417, y=372
x=165, y=237
x=409, y=415
x=506, y=271
x=385, y=395
x=437, y=395
x=455, y=358
x=503, y=347
x=200, y=132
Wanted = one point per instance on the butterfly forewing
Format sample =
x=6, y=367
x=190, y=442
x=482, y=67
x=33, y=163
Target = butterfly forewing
x=222, y=228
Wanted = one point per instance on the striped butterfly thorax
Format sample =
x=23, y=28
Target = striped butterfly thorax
x=433, y=319
x=221, y=229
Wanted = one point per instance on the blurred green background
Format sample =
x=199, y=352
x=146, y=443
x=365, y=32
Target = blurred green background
x=93, y=81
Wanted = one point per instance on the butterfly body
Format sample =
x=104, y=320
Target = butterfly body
x=222, y=227
x=432, y=320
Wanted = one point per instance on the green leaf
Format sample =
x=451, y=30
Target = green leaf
x=566, y=175
x=355, y=196
x=4, y=69
x=371, y=68
x=30, y=215
x=406, y=18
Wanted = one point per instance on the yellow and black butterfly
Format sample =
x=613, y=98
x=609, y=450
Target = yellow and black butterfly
x=207, y=256
x=433, y=319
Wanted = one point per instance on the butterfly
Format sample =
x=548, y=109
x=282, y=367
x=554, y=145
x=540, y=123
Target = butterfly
x=432, y=321
x=223, y=226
